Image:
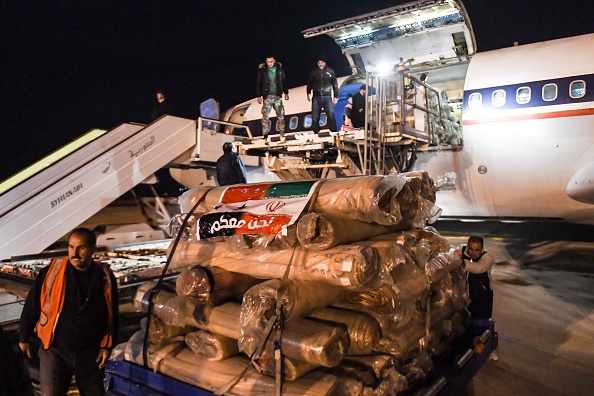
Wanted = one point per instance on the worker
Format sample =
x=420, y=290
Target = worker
x=74, y=306
x=230, y=167
x=477, y=263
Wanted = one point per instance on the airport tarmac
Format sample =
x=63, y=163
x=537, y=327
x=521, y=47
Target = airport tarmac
x=543, y=283
x=544, y=303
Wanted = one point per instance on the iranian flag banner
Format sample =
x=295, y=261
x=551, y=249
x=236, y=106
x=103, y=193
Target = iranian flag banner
x=259, y=208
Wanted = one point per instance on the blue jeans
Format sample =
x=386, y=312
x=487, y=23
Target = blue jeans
x=318, y=103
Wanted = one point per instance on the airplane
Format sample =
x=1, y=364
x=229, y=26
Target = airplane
x=514, y=125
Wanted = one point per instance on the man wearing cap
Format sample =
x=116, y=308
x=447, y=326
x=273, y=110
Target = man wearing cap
x=358, y=112
x=270, y=86
x=322, y=81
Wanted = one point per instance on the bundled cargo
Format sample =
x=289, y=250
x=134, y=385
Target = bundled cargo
x=348, y=292
x=353, y=265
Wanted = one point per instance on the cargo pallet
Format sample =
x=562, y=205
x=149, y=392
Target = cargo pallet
x=451, y=376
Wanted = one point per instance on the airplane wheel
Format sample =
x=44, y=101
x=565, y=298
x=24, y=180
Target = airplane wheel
x=405, y=158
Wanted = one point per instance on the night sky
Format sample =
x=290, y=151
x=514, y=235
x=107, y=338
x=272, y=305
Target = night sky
x=69, y=66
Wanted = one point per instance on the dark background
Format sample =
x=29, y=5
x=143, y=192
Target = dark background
x=69, y=66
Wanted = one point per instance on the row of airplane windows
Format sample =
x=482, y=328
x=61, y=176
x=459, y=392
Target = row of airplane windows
x=577, y=89
x=294, y=122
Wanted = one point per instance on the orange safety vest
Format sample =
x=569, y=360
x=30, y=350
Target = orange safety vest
x=53, y=291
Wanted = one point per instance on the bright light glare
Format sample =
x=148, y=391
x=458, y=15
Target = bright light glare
x=385, y=68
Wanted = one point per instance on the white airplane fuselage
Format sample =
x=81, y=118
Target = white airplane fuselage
x=529, y=160
x=520, y=158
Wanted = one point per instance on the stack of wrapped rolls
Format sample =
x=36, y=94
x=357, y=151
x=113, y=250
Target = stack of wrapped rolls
x=364, y=289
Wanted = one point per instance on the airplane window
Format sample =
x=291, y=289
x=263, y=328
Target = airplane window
x=577, y=89
x=307, y=121
x=498, y=98
x=549, y=92
x=523, y=95
x=323, y=119
x=475, y=100
x=294, y=122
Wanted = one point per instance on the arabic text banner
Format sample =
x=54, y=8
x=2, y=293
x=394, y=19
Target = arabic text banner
x=262, y=208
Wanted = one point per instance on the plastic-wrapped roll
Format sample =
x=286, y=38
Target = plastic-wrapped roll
x=427, y=187
x=352, y=265
x=317, y=343
x=211, y=346
x=321, y=231
x=365, y=198
x=213, y=285
x=371, y=199
x=155, y=354
x=298, y=298
x=363, y=330
x=356, y=372
x=320, y=344
x=385, y=300
x=406, y=339
x=222, y=319
x=254, y=243
x=189, y=198
x=438, y=243
x=292, y=368
x=441, y=264
x=160, y=333
x=347, y=387
x=195, y=282
x=409, y=279
x=377, y=363
x=210, y=375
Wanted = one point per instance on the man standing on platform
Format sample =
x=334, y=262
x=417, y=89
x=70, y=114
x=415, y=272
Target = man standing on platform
x=270, y=86
x=322, y=81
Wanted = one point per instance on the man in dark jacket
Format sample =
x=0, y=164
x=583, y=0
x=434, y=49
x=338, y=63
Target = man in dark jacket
x=477, y=262
x=358, y=111
x=270, y=86
x=73, y=304
x=161, y=106
x=322, y=81
x=230, y=167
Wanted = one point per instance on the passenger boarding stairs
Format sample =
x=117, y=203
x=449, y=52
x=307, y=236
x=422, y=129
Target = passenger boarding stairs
x=46, y=200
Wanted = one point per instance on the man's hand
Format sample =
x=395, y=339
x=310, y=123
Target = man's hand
x=260, y=100
x=334, y=100
x=308, y=98
x=102, y=357
x=286, y=96
x=26, y=348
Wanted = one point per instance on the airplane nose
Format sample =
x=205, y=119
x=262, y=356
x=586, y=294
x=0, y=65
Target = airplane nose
x=581, y=185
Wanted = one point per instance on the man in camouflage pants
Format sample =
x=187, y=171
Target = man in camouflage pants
x=270, y=86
